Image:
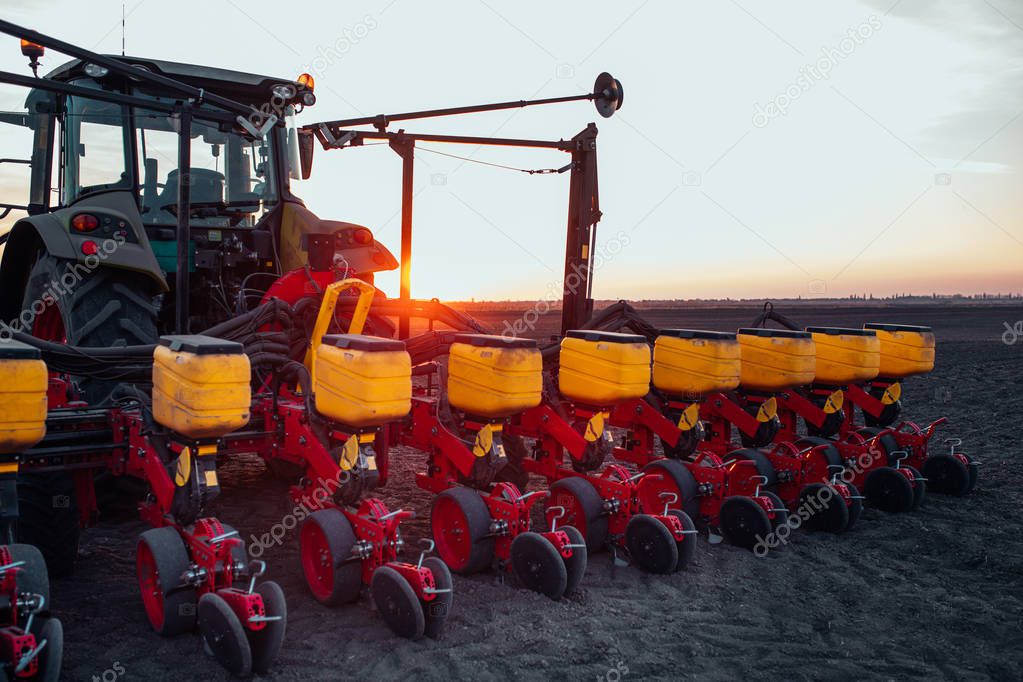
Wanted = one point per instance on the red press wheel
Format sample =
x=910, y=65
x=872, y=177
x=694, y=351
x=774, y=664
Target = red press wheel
x=668, y=476
x=584, y=510
x=160, y=561
x=325, y=543
x=461, y=526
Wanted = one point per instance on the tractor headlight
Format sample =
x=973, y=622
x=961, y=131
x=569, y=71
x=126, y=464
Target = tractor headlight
x=96, y=71
x=284, y=91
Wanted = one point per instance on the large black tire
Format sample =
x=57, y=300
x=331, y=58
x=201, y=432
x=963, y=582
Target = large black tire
x=107, y=308
x=48, y=518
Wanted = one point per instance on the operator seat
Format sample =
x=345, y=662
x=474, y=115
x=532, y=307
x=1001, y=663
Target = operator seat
x=207, y=187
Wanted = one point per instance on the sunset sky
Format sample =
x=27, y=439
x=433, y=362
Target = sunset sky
x=895, y=167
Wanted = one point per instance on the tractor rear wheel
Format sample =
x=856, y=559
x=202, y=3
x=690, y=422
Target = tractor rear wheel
x=106, y=308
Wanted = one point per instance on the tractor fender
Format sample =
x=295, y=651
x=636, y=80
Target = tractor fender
x=120, y=238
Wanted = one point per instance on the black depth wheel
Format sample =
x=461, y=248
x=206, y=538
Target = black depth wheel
x=539, y=565
x=461, y=528
x=398, y=604
x=50, y=658
x=889, y=490
x=855, y=505
x=325, y=542
x=575, y=565
x=584, y=510
x=781, y=512
x=825, y=506
x=919, y=488
x=266, y=643
x=651, y=544
x=223, y=636
x=973, y=466
x=687, y=546
x=947, y=475
x=744, y=523
x=436, y=612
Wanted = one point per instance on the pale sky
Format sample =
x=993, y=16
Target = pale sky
x=895, y=167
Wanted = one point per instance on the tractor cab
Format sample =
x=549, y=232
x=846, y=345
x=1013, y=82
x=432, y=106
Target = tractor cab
x=115, y=156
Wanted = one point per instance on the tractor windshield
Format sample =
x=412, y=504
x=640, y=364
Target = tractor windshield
x=232, y=177
x=111, y=146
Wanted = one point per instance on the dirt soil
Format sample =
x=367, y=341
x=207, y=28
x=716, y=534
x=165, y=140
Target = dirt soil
x=936, y=594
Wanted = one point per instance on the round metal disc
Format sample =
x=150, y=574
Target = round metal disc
x=539, y=565
x=223, y=635
x=607, y=94
x=398, y=604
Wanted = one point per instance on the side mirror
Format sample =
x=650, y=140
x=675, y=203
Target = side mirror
x=306, y=147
